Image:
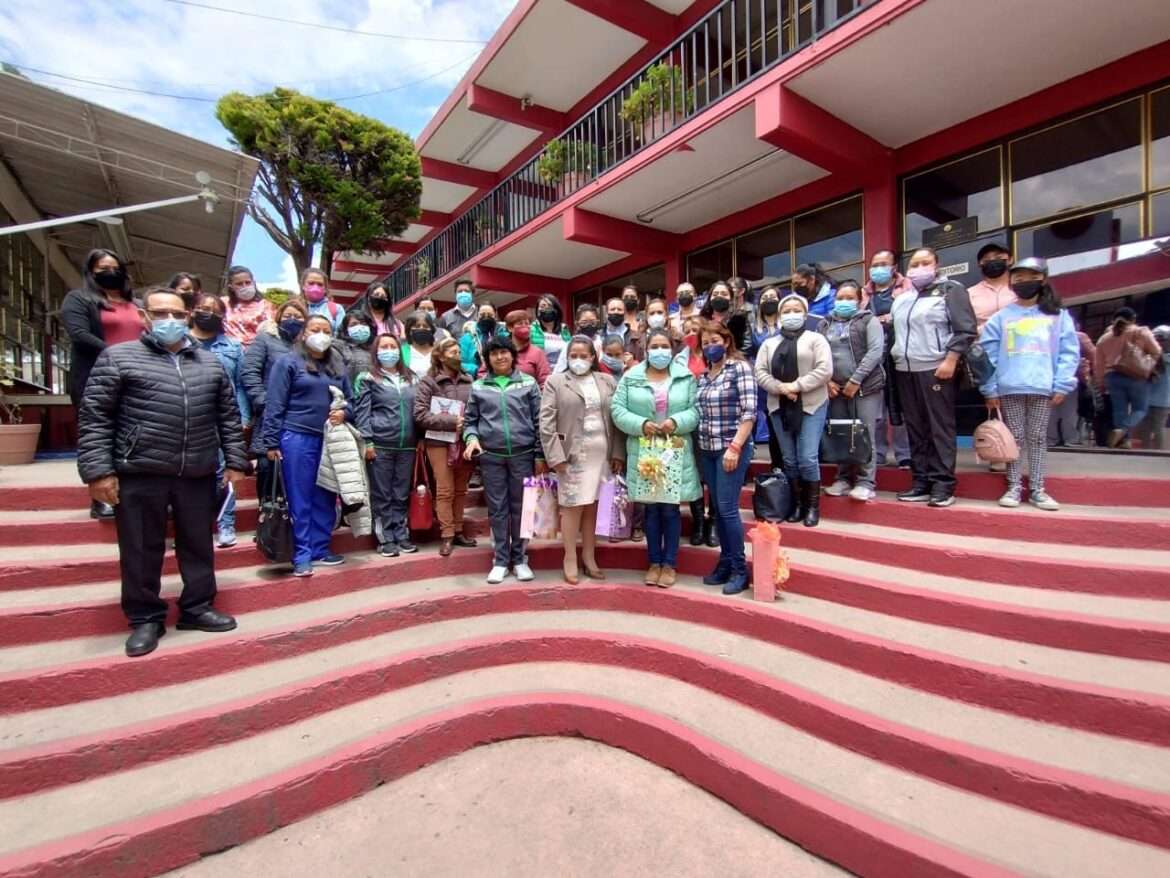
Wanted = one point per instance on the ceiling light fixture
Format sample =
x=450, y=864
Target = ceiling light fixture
x=480, y=142
x=650, y=214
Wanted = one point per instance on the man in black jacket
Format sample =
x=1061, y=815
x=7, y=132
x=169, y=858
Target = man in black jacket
x=155, y=414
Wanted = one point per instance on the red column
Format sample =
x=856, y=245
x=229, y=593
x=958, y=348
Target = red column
x=880, y=213
x=675, y=274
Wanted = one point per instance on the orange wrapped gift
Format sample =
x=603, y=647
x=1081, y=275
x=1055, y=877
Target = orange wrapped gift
x=769, y=562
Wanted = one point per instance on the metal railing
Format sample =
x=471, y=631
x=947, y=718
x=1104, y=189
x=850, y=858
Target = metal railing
x=734, y=44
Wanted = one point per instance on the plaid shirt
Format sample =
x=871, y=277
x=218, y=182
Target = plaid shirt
x=725, y=401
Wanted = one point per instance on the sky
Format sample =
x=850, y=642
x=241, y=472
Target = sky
x=177, y=48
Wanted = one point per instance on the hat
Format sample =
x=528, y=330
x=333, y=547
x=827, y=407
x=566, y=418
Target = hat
x=993, y=245
x=1032, y=263
x=798, y=297
x=1162, y=331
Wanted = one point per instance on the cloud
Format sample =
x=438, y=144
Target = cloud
x=288, y=279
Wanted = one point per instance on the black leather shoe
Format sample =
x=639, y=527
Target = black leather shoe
x=208, y=620
x=143, y=640
x=100, y=511
x=464, y=541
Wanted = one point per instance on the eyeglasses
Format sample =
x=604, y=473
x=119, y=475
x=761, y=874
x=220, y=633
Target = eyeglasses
x=163, y=315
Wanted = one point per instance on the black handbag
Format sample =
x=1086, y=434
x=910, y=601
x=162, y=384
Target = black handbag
x=979, y=367
x=772, y=498
x=274, y=530
x=847, y=440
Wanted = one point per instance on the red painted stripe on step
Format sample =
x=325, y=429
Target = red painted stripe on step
x=166, y=840
x=25, y=499
x=1090, y=801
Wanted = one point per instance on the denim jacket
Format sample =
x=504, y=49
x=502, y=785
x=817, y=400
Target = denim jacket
x=230, y=353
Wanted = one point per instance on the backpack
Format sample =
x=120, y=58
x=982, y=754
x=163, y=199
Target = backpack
x=994, y=442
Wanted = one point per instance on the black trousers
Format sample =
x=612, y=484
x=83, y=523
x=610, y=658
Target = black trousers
x=391, y=480
x=503, y=489
x=928, y=408
x=141, y=516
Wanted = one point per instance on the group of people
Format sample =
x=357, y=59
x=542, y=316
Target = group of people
x=168, y=386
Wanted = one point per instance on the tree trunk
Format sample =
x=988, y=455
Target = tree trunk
x=326, y=261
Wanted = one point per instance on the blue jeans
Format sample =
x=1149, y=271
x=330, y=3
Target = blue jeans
x=228, y=519
x=1130, y=398
x=725, y=488
x=313, y=509
x=663, y=529
x=802, y=450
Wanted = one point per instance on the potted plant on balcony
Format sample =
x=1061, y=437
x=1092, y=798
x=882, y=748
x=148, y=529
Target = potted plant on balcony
x=18, y=440
x=567, y=165
x=649, y=107
x=422, y=272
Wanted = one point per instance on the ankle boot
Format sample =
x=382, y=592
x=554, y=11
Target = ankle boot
x=798, y=502
x=710, y=533
x=738, y=581
x=696, y=522
x=812, y=504
x=720, y=574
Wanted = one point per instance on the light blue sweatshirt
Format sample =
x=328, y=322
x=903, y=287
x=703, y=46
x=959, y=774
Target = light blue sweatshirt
x=1033, y=352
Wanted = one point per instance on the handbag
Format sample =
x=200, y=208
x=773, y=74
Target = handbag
x=539, y=511
x=274, y=530
x=1133, y=362
x=422, y=505
x=994, y=442
x=847, y=440
x=772, y=499
x=979, y=367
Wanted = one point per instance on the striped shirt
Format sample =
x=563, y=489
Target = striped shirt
x=725, y=401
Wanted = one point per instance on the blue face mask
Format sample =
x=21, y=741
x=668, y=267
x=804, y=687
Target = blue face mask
x=463, y=300
x=844, y=309
x=388, y=357
x=792, y=321
x=659, y=358
x=168, y=331
x=714, y=353
x=881, y=274
x=359, y=334
x=614, y=363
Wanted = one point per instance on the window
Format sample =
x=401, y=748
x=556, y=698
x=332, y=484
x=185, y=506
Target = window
x=1093, y=231
x=968, y=187
x=766, y=254
x=1160, y=215
x=830, y=236
x=707, y=266
x=1090, y=160
x=1160, y=139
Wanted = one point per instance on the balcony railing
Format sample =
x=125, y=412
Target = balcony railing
x=736, y=43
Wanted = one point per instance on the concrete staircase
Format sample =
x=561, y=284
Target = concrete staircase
x=969, y=691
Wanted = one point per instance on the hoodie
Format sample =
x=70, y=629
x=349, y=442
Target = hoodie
x=1034, y=353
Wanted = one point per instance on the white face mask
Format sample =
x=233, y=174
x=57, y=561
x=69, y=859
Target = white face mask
x=792, y=320
x=579, y=366
x=246, y=294
x=656, y=321
x=319, y=341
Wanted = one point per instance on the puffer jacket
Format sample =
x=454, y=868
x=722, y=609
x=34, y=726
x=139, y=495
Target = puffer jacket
x=505, y=420
x=148, y=411
x=342, y=470
x=937, y=321
x=384, y=413
x=357, y=359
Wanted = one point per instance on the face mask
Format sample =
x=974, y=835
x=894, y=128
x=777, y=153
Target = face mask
x=314, y=292
x=168, y=331
x=792, y=321
x=881, y=274
x=319, y=341
x=616, y=320
x=614, y=363
x=1027, y=289
x=846, y=308
x=110, y=279
x=769, y=307
x=423, y=337
x=463, y=300
x=720, y=305
x=579, y=366
x=522, y=333
x=487, y=325
x=430, y=314
x=686, y=300
x=921, y=277
x=359, y=334
x=659, y=358
x=246, y=294
x=714, y=352
x=994, y=268
x=588, y=329
x=379, y=302
x=547, y=315
x=453, y=362
x=209, y=322
x=388, y=358
x=631, y=303
x=656, y=321
x=691, y=341
x=290, y=328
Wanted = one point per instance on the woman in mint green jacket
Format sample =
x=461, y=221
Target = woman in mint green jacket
x=654, y=399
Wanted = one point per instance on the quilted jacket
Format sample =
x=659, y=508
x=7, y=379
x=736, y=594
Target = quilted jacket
x=343, y=470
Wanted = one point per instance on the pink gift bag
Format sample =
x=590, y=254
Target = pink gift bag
x=769, y=563
x=540, y=514
x=613, y=509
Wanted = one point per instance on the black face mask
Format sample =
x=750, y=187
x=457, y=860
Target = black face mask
x=110, y=280
x=686, y=300
x=1028, y=289
x=616, y=320
x=993, y=267
x=547, y=315
x=487, y=325
x=720, y=305
x=769, y=307
x=588, y=329
x=209, y=322
x=422, y=337
x=631, y=303
x=379, y=302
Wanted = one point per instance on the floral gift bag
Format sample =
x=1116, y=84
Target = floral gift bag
x=658, y=476
x=613, y=509
x=540, y=515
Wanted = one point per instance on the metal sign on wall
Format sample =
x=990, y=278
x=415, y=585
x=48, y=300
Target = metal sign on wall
x=950, y=234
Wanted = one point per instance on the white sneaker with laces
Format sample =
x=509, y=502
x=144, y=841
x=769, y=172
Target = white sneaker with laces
x=839, y=488
x=1010, y=499
x=524, y=573
x=497, y=575
x=1041, y=500
x=863, y=493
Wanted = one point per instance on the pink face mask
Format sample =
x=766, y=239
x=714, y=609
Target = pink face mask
x=314, y=292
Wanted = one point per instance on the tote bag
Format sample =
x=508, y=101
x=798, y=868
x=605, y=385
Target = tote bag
x=847, y=440
x=422, y=504
x=274, y=531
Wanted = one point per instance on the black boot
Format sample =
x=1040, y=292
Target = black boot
x=100, y=511
x=710, y=532
x=812, y=504
x=696, y=522
x=798, y=502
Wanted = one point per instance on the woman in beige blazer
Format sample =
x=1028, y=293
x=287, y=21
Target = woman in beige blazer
x=795, y=367
x=582, y=445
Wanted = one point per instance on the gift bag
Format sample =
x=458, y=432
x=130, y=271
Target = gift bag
x=539, y=515
x=658, y=476
x=769, y=562
x=613, y=509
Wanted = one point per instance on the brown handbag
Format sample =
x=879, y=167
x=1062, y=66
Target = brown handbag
x=1133, y=361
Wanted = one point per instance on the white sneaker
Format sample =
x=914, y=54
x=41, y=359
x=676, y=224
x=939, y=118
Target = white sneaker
x=1041, y=500
x=863, y=493
x=497, y=575
x=1011, y=498
x=524, y=572
x=838, y=489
